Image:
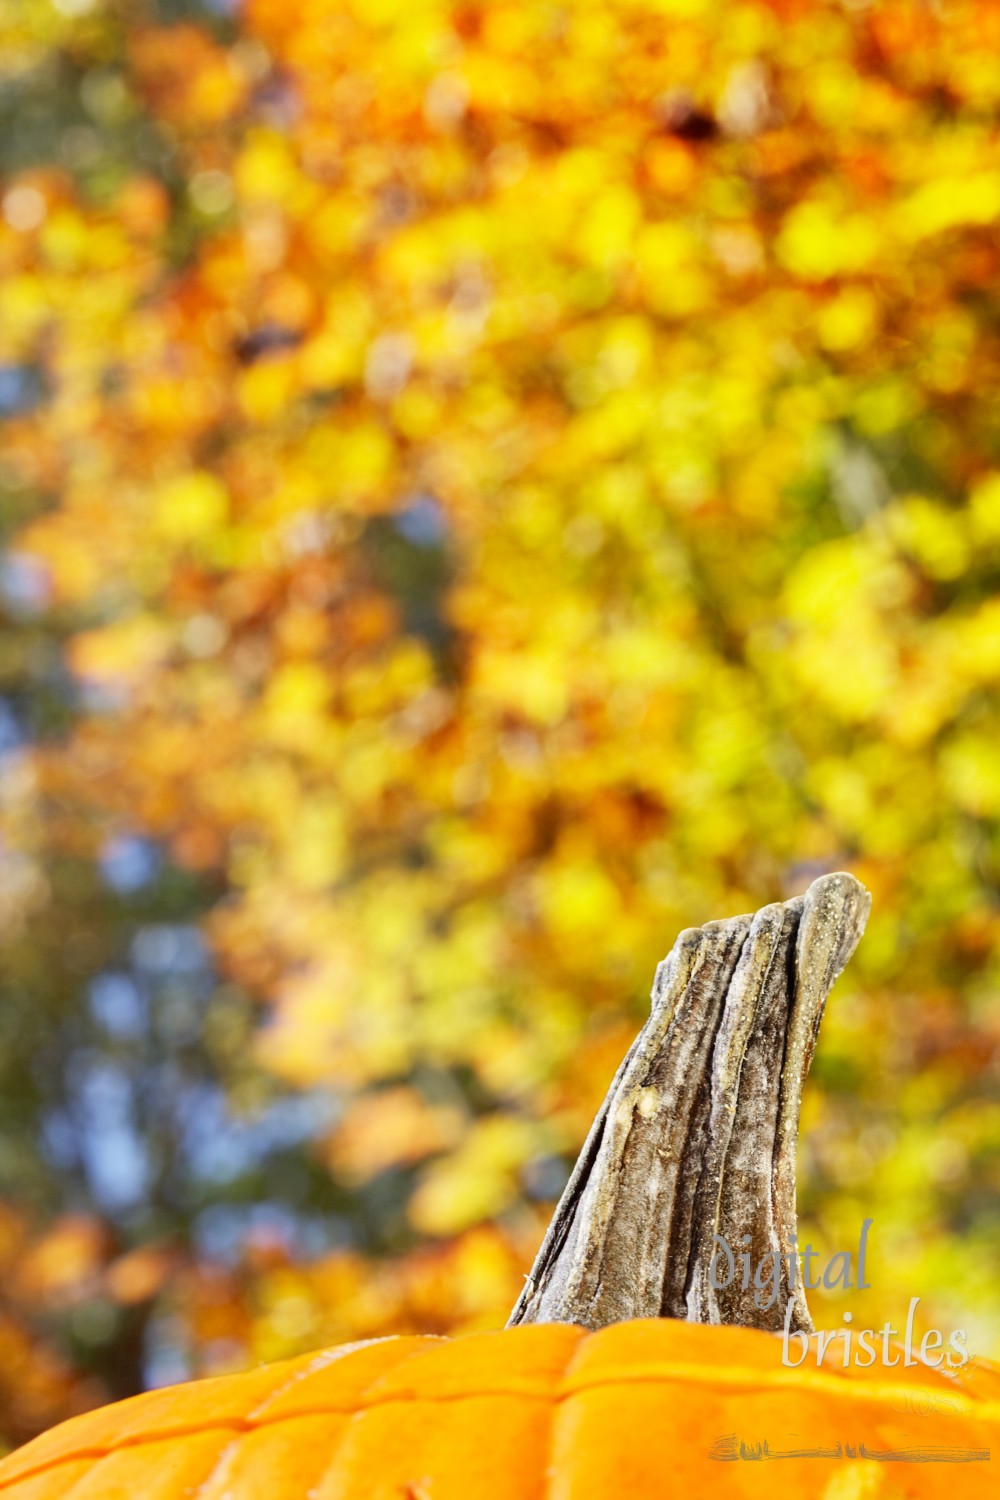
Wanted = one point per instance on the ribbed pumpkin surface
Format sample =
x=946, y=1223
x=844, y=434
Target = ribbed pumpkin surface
x=544, y=1412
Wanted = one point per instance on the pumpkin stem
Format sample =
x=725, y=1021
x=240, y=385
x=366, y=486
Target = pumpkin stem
x=695, y=1142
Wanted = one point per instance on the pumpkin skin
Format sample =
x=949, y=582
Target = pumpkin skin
x=540, y=1412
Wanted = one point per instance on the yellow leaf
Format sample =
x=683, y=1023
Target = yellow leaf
x=191, y=506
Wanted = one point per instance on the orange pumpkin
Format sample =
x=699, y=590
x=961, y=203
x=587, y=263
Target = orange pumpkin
x=653, y=1408
x=697, y=1134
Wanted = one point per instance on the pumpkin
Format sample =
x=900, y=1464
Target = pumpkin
x=623, y=1371
x=649, y=1408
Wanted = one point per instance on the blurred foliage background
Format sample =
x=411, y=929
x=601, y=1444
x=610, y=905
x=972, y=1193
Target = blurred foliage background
x=483, y=488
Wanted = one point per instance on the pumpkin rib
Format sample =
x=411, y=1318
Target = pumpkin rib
x=549, y=1475
x=220, y=1458
x=833, y=1381
x=256, y=1418
x=215, y=1460
x=350, y=1413
x=322, y=1362
x=142, y=1440
x=282, y=1377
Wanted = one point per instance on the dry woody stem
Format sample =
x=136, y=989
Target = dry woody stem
x=696, y=1138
